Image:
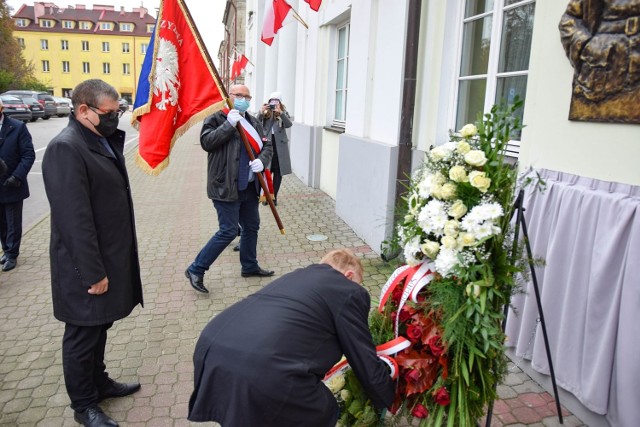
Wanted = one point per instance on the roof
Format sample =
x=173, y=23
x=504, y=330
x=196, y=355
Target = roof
x=41, y=10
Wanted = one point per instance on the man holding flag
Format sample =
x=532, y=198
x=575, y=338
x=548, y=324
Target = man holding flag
x=233, y=186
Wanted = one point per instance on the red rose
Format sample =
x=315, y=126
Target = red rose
x=393, y=316
x=419, y=411
x=396, y=295
x=414, y=333
x=442, y=397
x=404, y=315
x=412, y=376
x=435, y=345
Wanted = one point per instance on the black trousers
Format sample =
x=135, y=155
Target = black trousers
x=275, y=168
x=11, y=228
x=83, y=363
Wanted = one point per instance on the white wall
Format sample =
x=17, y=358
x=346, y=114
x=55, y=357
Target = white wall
x=605, y=151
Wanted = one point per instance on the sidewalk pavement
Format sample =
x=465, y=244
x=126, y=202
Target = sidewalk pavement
x=155, y=344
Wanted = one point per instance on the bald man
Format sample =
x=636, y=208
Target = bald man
x=233, y=187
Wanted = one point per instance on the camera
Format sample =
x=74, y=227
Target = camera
x=272, y=104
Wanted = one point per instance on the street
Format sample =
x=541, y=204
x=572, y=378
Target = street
x=37, y=206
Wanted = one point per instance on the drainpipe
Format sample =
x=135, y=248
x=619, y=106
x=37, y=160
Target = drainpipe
x=408, y=97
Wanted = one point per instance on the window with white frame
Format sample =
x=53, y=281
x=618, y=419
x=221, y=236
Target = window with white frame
x=342, y=68
x=126, y=69
x=21, y=42
x=84, y=25
x=105, y=25
x=126, y=27
x=86, y=68
x=150, y=28
x=67, y=24
x=494, y=58
x=106, y=68
x=21, y=22
x=46, y=23
x=44, y=44
x=105, y=46
x=64, y=44
x=45, y=66
x=85, y=45
x=125, y=47
x=143, y=48
x=66, y=68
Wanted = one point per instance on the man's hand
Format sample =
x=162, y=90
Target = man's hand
x=256, y=166
x=12, y=182
x=99, y=288
x=233, y=117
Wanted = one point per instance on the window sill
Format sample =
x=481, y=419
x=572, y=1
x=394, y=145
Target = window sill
x=334, y=129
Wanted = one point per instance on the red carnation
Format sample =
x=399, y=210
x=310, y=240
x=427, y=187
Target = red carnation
x=414, y=332
x=442, y=397
x=435, y=345
x=404, y=315
x=412, y=376
x=419, y=411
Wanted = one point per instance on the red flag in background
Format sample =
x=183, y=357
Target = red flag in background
x=314, y=4
x=177, y=86
x=274, y=14
x=238, y=65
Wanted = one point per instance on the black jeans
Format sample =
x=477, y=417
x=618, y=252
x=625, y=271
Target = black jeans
x=83, y=363
x=11, y=228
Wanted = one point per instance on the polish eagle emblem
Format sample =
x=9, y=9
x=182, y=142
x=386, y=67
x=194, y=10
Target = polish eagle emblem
x=166, y=81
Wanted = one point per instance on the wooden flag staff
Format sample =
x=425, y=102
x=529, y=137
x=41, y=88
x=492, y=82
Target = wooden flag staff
x=245, y=141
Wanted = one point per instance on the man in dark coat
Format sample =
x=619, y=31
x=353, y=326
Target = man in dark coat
x=233, y=187
x=16, y=151
x=95, y=273
x=261, y=361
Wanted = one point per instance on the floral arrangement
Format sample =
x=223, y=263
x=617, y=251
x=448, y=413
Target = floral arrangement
x=448, y=299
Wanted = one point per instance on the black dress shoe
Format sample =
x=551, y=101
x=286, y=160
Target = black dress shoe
x=258, y=273
x=94, y=417
x=236, y=248
x=115, y=389
x=196, y=282
x=3, y=258
x=9, y=264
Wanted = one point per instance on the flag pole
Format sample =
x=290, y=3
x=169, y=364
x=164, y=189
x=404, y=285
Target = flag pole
x=298, y=18
x=225, y=95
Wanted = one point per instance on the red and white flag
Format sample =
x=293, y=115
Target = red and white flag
x=177, y=86
x=314, y=4
x=274, y=14
x=238, y=66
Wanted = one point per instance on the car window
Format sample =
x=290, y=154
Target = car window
x=11, y=100
x=29, y=100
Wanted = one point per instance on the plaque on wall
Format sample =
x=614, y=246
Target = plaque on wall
x=602, y=41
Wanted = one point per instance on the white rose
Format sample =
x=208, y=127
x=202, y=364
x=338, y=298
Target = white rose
x=473, y=290
x=480, y=181
x=466, y=239
x=436, y=191
x=457, y=210
x=439, y=153
x=458, y=174
x=430, y=248
x=449, y=242
x=463, y=147
x=451, y=228
x=345, y=395
x=449, y=191
x=438, y=179
x=468, y=131
x=335, y=384
x=475, y=158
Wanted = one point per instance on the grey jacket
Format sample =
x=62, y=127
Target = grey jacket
x=279, y=126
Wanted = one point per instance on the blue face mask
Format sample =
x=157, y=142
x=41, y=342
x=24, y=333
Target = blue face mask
x=241, y=105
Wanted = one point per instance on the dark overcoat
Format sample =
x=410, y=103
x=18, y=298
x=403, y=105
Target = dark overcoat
x=16, y=149
x=92, y=227
x=261, y=361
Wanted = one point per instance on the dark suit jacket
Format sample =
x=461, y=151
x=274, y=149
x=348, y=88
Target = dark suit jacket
x=261, y=361
x=16, y=149
x=92, y=227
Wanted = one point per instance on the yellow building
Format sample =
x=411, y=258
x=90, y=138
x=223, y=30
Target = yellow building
x=69, y=45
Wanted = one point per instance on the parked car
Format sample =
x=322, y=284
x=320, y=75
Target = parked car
x=123, y=105
x=14, y=107
x=46, y=100
x=63, y=106
x=37, y=110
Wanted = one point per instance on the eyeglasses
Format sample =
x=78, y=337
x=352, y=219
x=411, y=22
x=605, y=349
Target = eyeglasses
x=240, y=96
x=110, y=114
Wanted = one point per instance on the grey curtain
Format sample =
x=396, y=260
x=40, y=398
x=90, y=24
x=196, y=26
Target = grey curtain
x=588, y=231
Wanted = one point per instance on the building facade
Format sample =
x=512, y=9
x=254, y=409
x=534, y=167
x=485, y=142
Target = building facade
x=69, y=45
x=235, y=20
x=369, y=79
